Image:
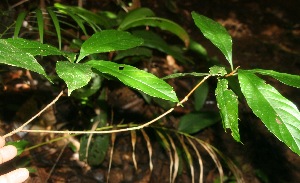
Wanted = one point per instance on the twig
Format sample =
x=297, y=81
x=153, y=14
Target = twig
x=35, y=116
x=124, y=129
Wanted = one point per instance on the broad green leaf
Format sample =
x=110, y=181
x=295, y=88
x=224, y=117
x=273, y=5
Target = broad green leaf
x=288, y=79
x=36, y=48
x=153, y=40
x=20, y=145
x=137, y=51
x=56, y=25
x=193, y=122
x=75, y=75
x=136, y=78
x=228, y=105
x=134, y=15
x=40, y=21
x=216, y=33
x=279, y=114
x=33, y=47
x=217, y=71
x=19, y=23
x=11, y=55
x=200, y=96
x=108, y=40
x=163, y=24
x=91, y=88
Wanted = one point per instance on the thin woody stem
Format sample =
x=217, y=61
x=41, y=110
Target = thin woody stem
x=124, y=129
x=35, y=116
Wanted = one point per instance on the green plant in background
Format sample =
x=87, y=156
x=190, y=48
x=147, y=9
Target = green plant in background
x=278, y=114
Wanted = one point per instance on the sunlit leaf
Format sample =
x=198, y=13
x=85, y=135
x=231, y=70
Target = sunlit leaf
x=108, y=40
x=217, y=71
x=33, y=47
x=279, y=114
x=228, y=104
x=288, y=79
x=11, y=55
x=136, y=78
x=216, y=33
x=75, y=75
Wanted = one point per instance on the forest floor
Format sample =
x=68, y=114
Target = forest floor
x=266, y=35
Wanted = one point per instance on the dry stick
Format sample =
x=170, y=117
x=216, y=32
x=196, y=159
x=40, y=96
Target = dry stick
x=35, y=116
x=124, y=129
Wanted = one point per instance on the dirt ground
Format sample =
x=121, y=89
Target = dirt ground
x=266, y=35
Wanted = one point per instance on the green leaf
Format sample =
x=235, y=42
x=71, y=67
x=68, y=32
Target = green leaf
x=36, y=48
x=153, y=40
x=89, y=17
x=108, y=40
x=56, y=25
x=279, y=114
x=136, y=78
x=40, y=21
x=90, y=89
x=200, y=96
x=288, y=79
x=19, y=23
x=137, y=51
x=33, y=47
x=193, y=122
x=20, y=145
x=163, y=24
x=217, y=71
x=75, y=75
x=216, y=33
x=135, y=15
x=11, y=55
x=228, y=105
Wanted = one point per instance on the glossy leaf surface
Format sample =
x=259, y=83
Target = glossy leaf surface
x=136, y=78
x=279, y=115
x=216, y=33
x=75, y=75
x=108, y=40
x=288, y=79
x=11, y=55
x=228, y=105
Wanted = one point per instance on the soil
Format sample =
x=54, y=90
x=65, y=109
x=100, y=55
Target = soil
x=266, y=35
